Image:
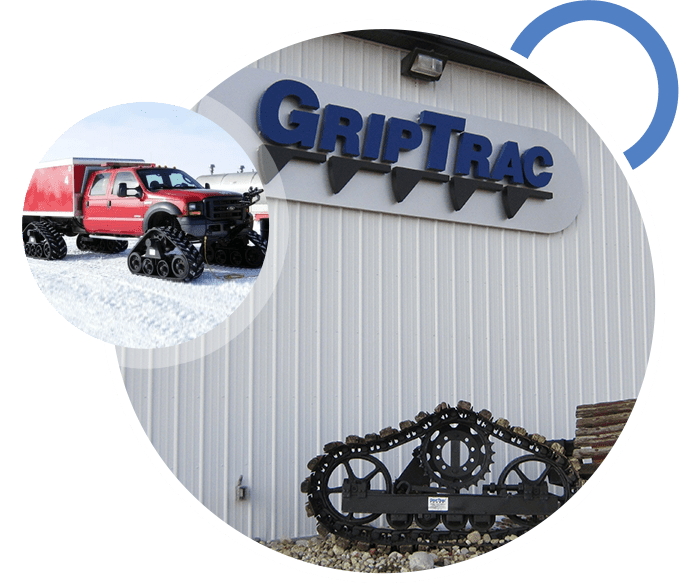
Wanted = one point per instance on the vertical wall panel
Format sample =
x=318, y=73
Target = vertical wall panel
x=376, y=317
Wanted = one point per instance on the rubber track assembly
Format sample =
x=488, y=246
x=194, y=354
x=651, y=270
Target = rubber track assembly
x=166, y=253
x=43, y=242
x=245, y=250
x=352, y=494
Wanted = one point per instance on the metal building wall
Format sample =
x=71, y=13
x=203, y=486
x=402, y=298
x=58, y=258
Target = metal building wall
x=376, y=317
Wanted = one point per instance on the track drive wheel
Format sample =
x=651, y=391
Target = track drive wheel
x=456, y=454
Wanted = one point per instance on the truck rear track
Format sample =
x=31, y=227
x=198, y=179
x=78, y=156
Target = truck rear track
x=43, y=242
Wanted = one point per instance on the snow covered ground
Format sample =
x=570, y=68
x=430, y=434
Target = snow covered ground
x=97, y=293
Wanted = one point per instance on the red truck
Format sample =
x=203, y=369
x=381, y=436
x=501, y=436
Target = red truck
x=105, y=202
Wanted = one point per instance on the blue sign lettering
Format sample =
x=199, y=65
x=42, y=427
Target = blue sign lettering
x=542, y=157
x=401, y=135
x=373, y=136
x=341, y=122
x=473, y=149
x=508, y=164
x=439, y=142
x=303, y=124
x=344, y=128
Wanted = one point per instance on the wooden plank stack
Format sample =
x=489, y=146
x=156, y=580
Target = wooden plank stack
x=597, y=427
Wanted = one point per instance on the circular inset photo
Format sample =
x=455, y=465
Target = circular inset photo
x=461, y=324
x=145, y=225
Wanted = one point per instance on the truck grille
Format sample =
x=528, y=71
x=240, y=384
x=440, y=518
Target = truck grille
x=223, y=208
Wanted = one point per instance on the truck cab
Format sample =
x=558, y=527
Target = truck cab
x=130, y=201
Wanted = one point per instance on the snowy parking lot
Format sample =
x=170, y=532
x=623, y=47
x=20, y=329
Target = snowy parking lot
x=99, y=295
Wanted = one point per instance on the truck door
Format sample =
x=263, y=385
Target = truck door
x=96, y=204
x=128, y=206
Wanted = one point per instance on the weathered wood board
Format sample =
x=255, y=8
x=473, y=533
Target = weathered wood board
x=597, y=428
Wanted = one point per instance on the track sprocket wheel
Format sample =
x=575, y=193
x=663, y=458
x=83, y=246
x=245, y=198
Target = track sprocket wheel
x=456, y=454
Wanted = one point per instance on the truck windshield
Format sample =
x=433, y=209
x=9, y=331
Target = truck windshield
x=167, y=178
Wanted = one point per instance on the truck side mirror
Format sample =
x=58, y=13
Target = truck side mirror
x=123, y=191
x=207, y=185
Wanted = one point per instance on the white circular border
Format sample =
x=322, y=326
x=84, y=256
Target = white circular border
x=174, y=95
x=654, y=245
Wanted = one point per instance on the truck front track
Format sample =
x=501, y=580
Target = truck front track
x=166, y=253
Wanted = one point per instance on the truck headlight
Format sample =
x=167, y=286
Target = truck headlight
x=195, y=208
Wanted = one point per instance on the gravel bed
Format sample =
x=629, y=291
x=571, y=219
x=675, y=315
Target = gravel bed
x=339, y=554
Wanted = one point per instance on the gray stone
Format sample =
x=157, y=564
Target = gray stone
x=337, y=552
x=421, y=561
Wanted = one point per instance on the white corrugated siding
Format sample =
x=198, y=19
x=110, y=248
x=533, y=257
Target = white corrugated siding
x=376, y=317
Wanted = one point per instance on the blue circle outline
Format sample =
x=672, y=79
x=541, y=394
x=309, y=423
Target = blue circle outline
x=642, y=31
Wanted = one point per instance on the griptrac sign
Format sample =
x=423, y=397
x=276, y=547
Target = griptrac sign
x=337, y=146
x=340, y=126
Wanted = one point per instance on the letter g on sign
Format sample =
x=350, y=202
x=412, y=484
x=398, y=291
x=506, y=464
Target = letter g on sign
x=302, y=124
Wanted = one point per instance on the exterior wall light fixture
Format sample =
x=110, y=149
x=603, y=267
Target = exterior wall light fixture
x=422, y=64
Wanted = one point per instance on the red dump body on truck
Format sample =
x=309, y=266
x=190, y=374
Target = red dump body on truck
x=104, y=202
